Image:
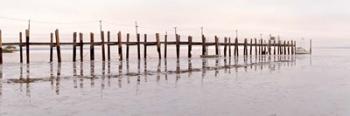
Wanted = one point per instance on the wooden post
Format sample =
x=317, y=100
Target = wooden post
x=292, y=47
x=158, y=46
x=281, y=47
x=251, y=47
x=225, y=47
x=74, y=47
x=127, y=45
x=189, y=46
x=103, y=45
x=81, y=47
x=256, y=46
x=177, y=46
x=120, y=48
x=108, y=45
x=165, y=45
x=264, y=47
x=58, y=45
x=245, y=47
x=236, y=52
x=288, y=47
x=20, y=48
x=216, y=45
x=92, y=47
x=138, y=47
x=27, y=46
x=1, y=48
x=274, y=47
x=269, y=46
x=278, y=47
x=295, y=47
x=145, y=46
x=229, y=47
x=261, y=47
x=204, y=50
x=51, y=47
x=284, y=47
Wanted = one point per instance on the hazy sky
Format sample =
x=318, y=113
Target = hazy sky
x=316, y=19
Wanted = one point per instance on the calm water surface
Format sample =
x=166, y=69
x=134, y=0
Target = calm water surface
x=305, y=85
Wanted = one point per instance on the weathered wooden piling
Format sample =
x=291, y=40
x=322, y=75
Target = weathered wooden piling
x=269, y=47
x=127, y=45
x=274, y=48
x=81, y=44
x=138, y=46
x=177, y=46
x=120, y=48
x=288, y=47
x=284, y=48
x=256, y=46
x=145, y=46
x=92, y=46
x=251, y=47
x=165, y=45
x=292, y=47
x=295, y=47
x=103, y=45
x=189, y=46
x=1, y=48
x=261, y=47
x=204, y=50
x=245, y=47
x=108, y=45
x=51, y=47
x=279, y=47
x=216, y=45
x=58, y=45
x=21, y=48
x=229, y=48
x=74, y=46
x=264, y=47
x=158, y=46
x=236, y=52
x=225, y=47
x=27, y=45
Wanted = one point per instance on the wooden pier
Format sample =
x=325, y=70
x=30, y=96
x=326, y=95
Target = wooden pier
x=271, y=46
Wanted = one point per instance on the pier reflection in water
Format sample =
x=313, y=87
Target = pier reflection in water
x=144, y=71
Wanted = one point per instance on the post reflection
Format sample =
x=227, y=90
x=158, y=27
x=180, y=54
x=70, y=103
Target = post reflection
x=75, y=82
x=92, y=74
x=120, y=71
x=58, y=79
x=81, y=76
x=159, y=70
x=145, y=69
x=102, y=72
x=166, y=69
x=27, y=80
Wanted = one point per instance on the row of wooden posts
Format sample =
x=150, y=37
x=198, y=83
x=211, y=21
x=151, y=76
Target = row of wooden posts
x=261, y=47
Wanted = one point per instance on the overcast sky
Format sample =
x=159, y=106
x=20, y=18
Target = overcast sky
x=321, y=19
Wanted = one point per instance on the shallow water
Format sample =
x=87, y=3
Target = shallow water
x=304, y=85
